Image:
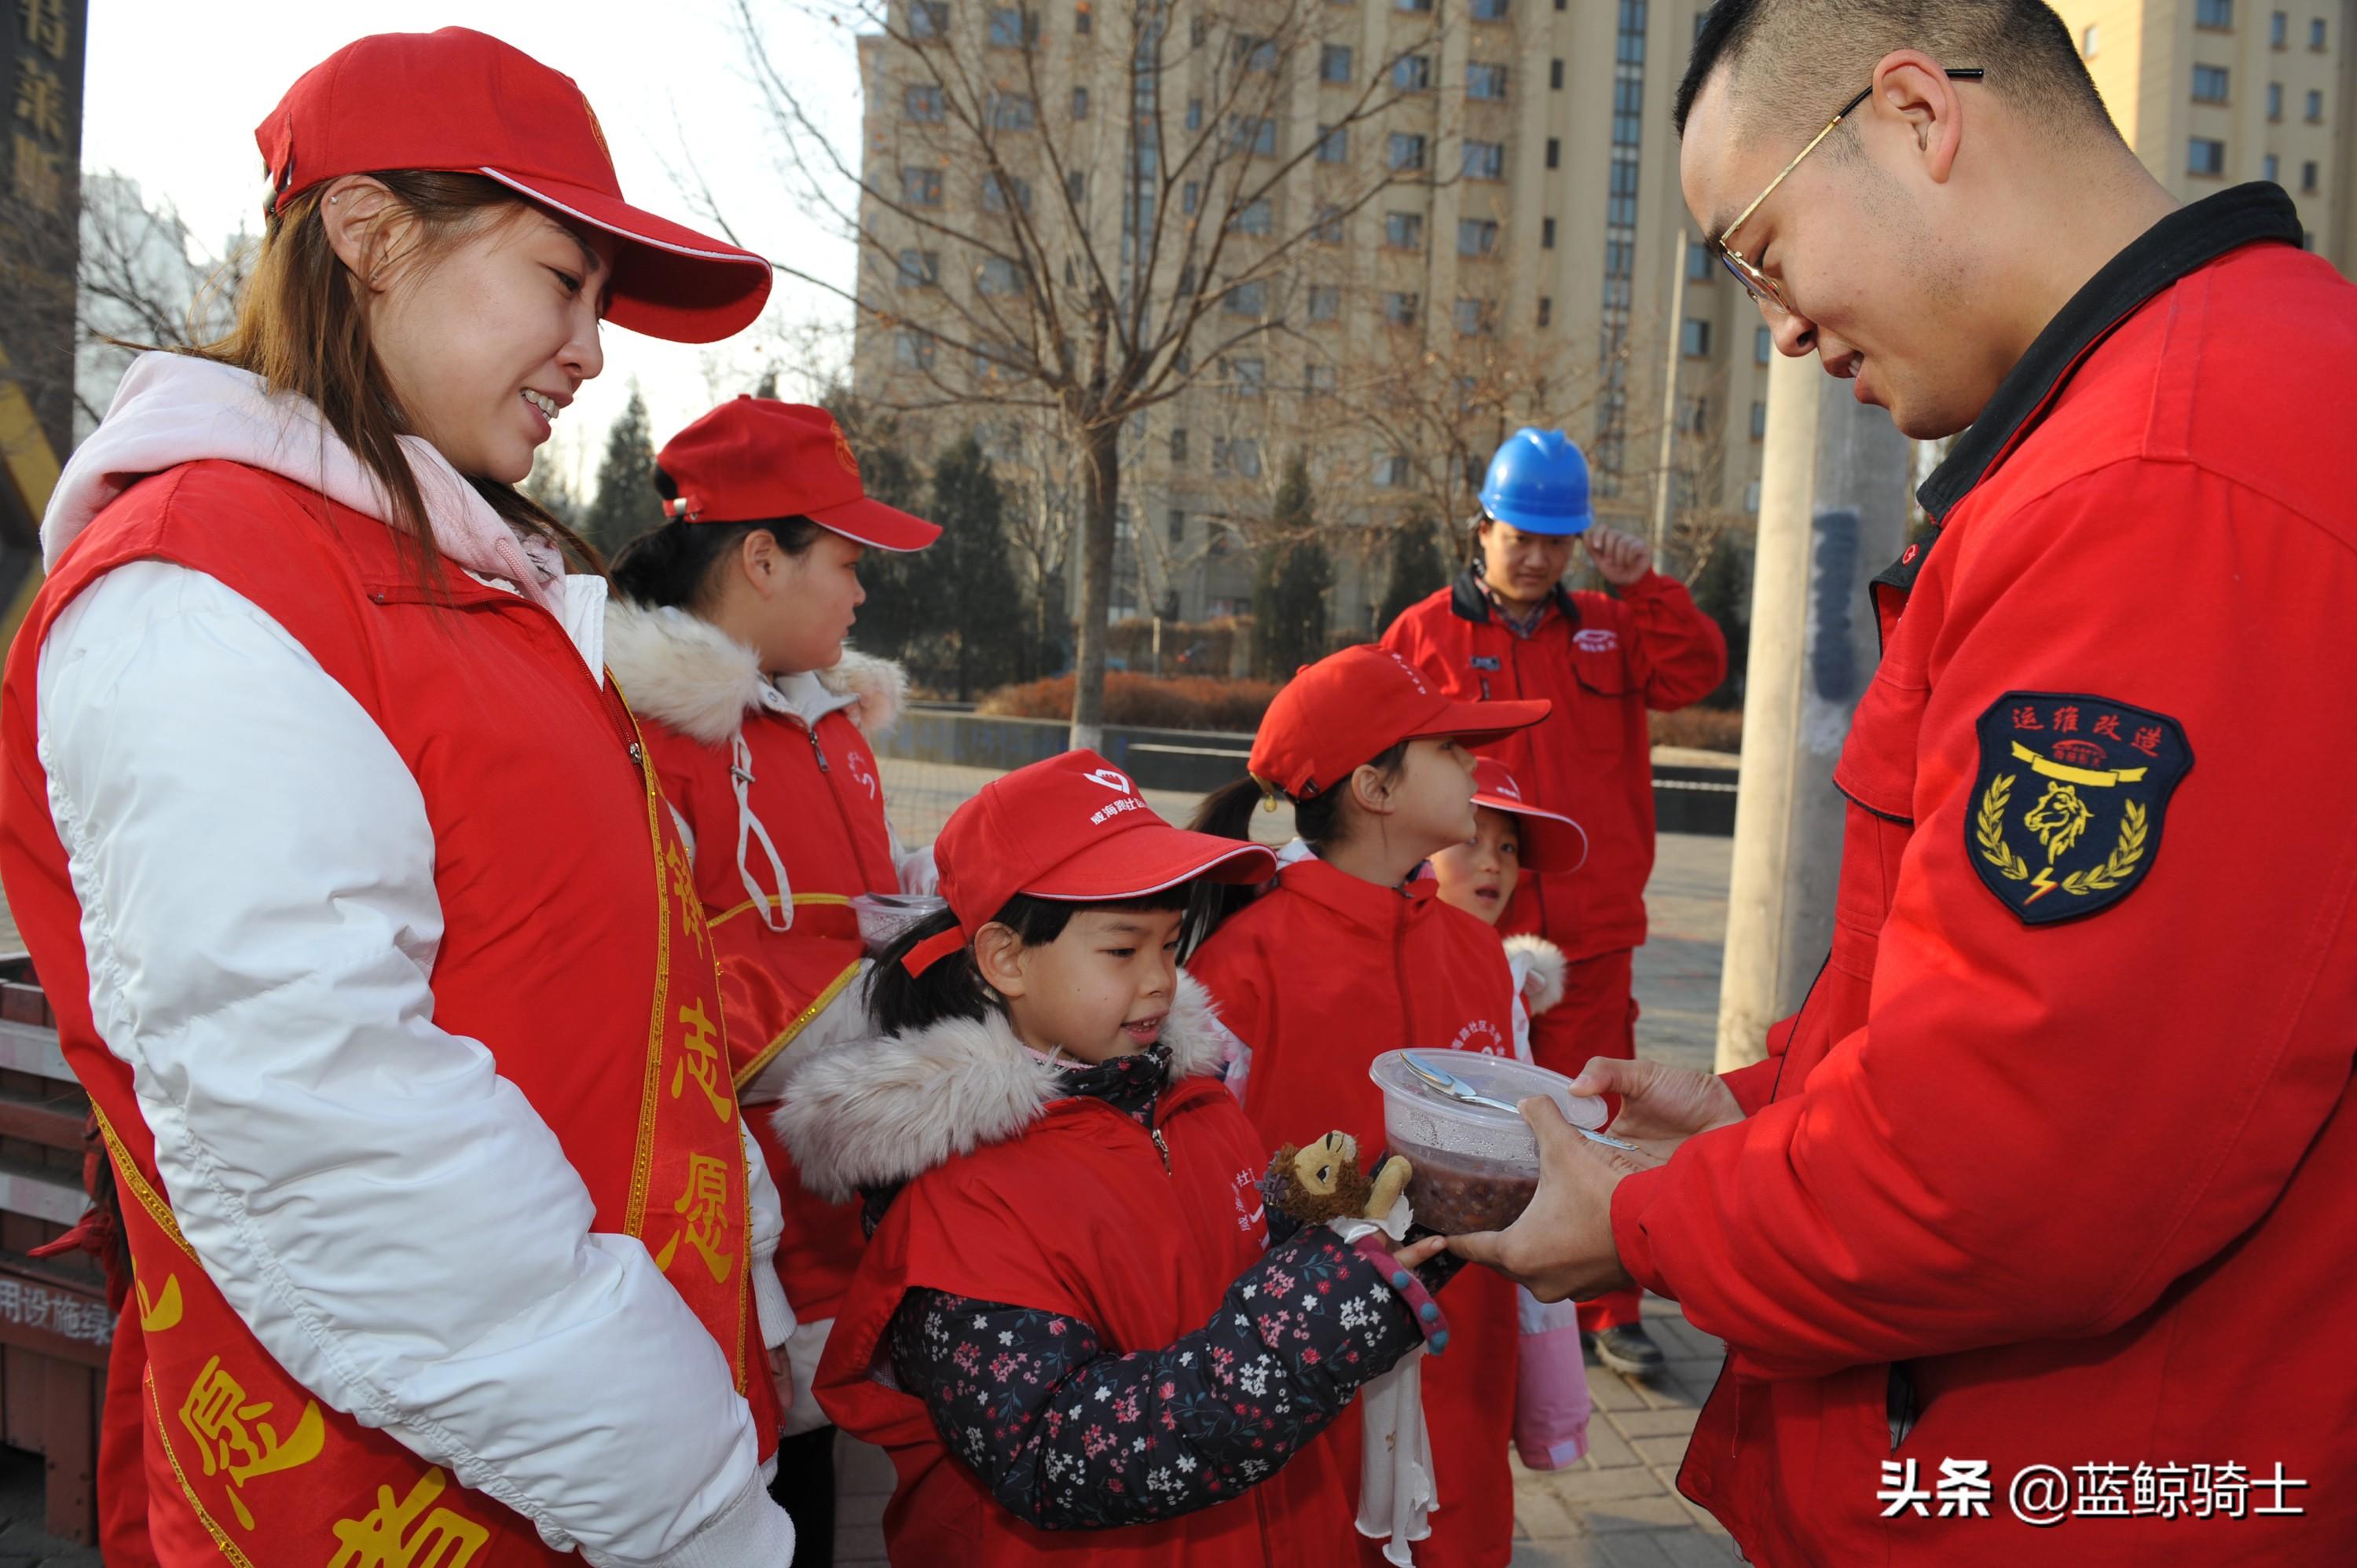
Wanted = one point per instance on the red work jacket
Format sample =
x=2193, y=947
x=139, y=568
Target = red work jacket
x=1602, y=663
x=1319, y=977
x=2058, y=1166
x=556, y=963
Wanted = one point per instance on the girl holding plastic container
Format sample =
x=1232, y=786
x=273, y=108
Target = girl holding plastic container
x=729, y=640
x=1351, y=955
x=1065, y=1328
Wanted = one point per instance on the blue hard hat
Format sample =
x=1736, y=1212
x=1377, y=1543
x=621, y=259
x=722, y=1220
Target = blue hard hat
x=1538, y=483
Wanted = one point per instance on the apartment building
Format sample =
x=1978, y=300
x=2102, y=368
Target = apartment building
x=1543, y=272
x=2213, y=93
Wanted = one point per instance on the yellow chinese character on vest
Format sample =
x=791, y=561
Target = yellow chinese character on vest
x=700, y=1059
x=232, y=1435
x=702, y=1209
x=384, y=1539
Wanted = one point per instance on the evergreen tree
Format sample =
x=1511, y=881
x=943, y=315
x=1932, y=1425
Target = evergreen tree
x=1414, y=569
x=627, y=504
x=1290, y=584
x=1723, y=592
x=976, y=609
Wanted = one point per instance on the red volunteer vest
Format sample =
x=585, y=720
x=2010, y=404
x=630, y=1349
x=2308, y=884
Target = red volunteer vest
x=818, y=792
x=1078, y=1216
x=1321, y=977
x=579, y=969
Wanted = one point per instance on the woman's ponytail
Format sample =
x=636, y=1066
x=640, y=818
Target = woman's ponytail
x=950, y=987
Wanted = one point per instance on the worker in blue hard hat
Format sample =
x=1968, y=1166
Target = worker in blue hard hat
x=1507, y=628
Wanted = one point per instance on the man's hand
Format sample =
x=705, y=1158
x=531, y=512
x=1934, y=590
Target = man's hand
x=1562, y=1246
x=1622, y=558
x=1660, y=1105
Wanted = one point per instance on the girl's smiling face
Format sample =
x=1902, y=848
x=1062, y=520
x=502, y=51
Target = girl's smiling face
x=1101, y=990
x=1479, y=876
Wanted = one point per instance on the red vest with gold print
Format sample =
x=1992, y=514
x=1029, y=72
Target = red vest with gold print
x=573, y=948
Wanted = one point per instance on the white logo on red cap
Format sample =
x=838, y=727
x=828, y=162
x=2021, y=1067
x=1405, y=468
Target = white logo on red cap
x=1509, y=790
x=1596, y=641
x=1117, y=782
x=1409, y=669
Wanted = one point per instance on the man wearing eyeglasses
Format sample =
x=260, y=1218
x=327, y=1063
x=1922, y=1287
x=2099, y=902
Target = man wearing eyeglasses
x=2054, y=1181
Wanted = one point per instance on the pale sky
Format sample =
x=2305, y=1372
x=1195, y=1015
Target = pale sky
x=173, y=93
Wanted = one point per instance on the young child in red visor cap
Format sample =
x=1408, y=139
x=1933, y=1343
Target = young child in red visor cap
x=1067, y=1319
x=1352, y=955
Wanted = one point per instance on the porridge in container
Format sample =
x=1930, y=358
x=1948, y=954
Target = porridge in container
x=1476, y=1167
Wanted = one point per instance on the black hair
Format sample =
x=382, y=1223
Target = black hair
x=1226, y=813
x=952, y=987
x=1806, y=44
x=671, y=563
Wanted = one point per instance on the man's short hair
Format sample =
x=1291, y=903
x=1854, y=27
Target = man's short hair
x=1793, y=63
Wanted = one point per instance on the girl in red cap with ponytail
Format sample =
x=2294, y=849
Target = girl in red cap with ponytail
x=729, y=642
x=347, y=874
x=1068, y=1328
x=1351, y=955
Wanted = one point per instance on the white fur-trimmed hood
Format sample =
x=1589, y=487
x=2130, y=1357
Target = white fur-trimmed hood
x=679, y=668
x=878, y=1113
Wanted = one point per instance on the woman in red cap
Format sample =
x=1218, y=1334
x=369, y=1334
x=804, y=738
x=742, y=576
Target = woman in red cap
x=1091, y=1355
x=351, y=886
x=1351, y=955
x=729, y=642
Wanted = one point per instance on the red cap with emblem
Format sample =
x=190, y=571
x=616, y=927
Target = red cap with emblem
x=755, y=458
x=1552, y=841
x=1349, y=707
x=1072, y=827
x=462, y=101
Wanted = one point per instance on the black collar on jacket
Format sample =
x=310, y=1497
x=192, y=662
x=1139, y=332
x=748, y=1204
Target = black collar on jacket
x=2186, y=240
x=1469, y=598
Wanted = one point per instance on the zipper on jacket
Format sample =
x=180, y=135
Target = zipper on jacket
x=1160, y=1148
x=835, y=793
x=817, y=750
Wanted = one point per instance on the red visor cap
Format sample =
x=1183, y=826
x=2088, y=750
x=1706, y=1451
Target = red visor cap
x=462, y=102
x=1552, y=843
x=1349, y=707
x=756, y=458
x=1074, y=827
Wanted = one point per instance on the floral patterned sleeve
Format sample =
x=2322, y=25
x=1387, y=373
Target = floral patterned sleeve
x=1070, y=1435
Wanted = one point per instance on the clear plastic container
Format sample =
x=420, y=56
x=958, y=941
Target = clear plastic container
x=1476, y=1168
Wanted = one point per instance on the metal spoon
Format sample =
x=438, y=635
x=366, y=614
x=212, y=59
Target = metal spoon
x=1464, y=1093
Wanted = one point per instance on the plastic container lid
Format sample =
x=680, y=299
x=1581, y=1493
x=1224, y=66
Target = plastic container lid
x=1418, y=1114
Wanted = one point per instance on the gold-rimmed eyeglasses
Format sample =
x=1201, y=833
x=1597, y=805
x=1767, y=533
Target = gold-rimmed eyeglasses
x=1763, y=288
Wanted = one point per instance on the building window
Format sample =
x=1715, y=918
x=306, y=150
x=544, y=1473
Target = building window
x=1699, y=267
x=1472, y=317
x=1191, y=197
x=912, y=350
x=1412, y=73
x=1546, y=310
x=1254, y=135
x=1620, y=202
x=1318, y=380
x=1333, y=144
x=1485, y=160
x=1407, y=152
x=1751, y=497
x=1081, y=100
x=2274, y=101
x=2316, y=34
x=997, y=276
x=2089, y=40
x=1404, y=231
x=1011, y=29
x=1194, y=113
x=1628, y=109
x=1254, y=218
x=2205, y=155
x=2315, y=108
x=921, y=186
x=1423, y=7
x=1763, y=345
x=1328, y=230
x=1555, y=76
x=1546, y=233
x=1245, y=300
x=1250, y=376
x=1012, y=112
x=1477, y=237
x=924, y=103
x=2307, y=177
x=1485, y=81
x=1758, y=420
x=1694, y=338
x=1238, y=454
x=1175, y=526
x=1179, y=448
x=995, y=191
x=2209, y=85
x=2216, y=15
x=929, y=18
x=1555, y=151
x=1399, y=309
x=920, y=269
x=1390, y=470
x=1324, y=302
x=2272, y=169
x=1256, y=54
x=1334, y=63
x=1489, y=10
x=2277, y=26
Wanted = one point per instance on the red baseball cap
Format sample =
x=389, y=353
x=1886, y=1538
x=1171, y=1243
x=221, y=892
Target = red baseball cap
x=1071, y=827
x=1343, y=711
x=755, y=458
x=1551, y=841
x=462, y=102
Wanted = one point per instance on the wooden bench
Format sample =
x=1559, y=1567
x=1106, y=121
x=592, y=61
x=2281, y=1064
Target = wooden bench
x=54, y=1326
